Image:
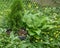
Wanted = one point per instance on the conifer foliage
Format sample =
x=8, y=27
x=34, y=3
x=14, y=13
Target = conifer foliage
x=14, y=18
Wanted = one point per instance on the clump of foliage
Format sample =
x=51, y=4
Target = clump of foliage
x=11, y=41
x=14, y=18
x=43, y=26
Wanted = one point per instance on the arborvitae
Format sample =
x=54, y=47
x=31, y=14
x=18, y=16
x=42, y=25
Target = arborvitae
x=14, y=18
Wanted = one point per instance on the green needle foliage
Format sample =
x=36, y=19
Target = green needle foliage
x=14, y=18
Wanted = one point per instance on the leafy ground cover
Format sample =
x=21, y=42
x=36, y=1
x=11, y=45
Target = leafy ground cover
x=41, y=23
